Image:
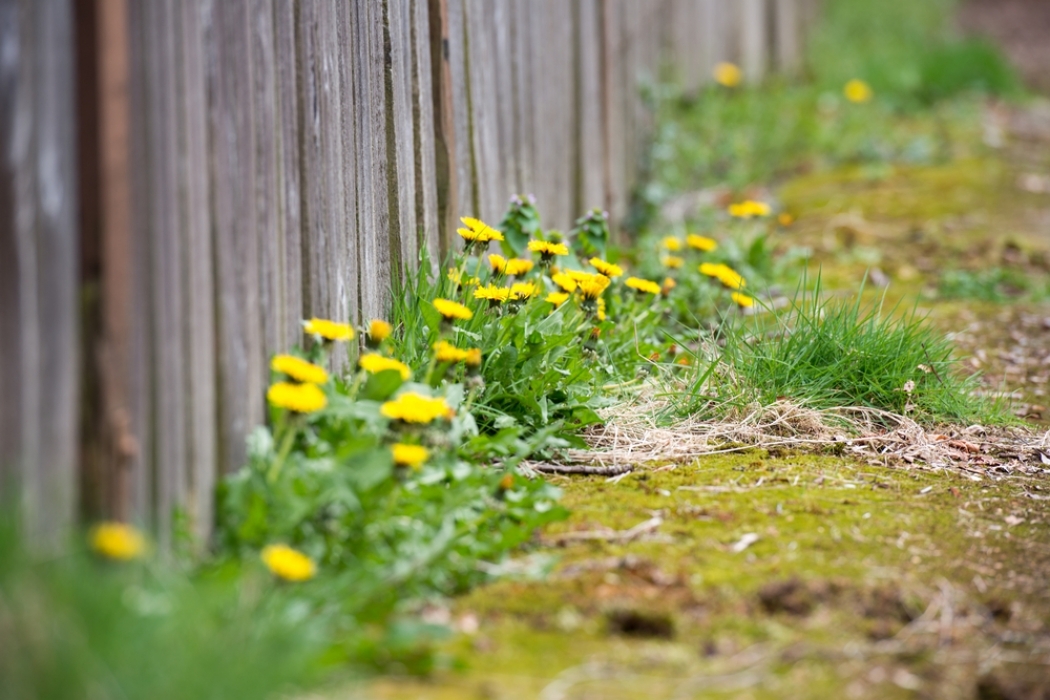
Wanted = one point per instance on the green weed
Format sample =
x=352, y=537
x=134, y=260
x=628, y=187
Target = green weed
x=828, y=353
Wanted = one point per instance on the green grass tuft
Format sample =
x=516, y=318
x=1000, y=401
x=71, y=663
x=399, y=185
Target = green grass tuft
x=829, y=353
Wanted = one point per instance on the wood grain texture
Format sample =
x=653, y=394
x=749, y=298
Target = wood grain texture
x=400, y=131
x=376, y=194
x=287, y=136
x=466, y=200
x=788, y=39
x=236, y=242
x=38, y=297
x=588, y=176
x=198, y=323
x=753, y=37
x=163, y=218
x=424, y=134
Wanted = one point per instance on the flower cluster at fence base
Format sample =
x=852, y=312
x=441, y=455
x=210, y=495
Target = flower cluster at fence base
x=364, y=474
x=409, y=456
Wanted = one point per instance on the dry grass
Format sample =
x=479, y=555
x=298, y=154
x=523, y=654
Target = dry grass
x=631, y=439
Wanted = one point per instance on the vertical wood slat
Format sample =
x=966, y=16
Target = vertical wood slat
x=235, y=226
x=428, y=211
x=289, y=198
x=753, y=46
x=788, y=36
x=38, y=263
x=466, y=199
x=401, y=142
x=345, y=222
x=198, y=323
x=376, y=198
x=590, y=161
x=162, y=218
x=137, y=426
x=447, y=186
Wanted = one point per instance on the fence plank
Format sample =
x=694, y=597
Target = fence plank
x=466, y=197
x=378, y=212
x=289, y=202
x=346, y=226
x=38, y=230
x=753, y=46
x=588, y=168
x=131, y=331
x=400, y=130
x=198, y=324
x=162, y=219
x=425, y=134
x=235, y=229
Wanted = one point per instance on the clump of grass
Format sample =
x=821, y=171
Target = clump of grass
x=994, y=284
x=829, y=353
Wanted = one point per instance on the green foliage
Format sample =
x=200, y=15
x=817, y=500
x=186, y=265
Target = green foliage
x=923, y=79
x=520, y=224
x=994, y=284
x=76, y=626
x=906, y=50
x=830, y=353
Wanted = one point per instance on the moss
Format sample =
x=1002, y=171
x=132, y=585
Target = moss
x=858, y=544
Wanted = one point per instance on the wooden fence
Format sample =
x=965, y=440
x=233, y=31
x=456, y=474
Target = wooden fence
x=183, y=181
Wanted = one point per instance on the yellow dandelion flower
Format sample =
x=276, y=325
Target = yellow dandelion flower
x=411, y=407
x=498, y=263
x=601, y=309
x=672, y=261
x=724, y=274
x=671, y=243
x=374, y=363
x=667, y=286
x=558, y=298
x=445, y=351
x=857, y=91
x=516, y=267
x=301, y=398
x=742, y=300
x=748, y=209
x=409, y=455
x=565, y=281
x=117, y=541
x=520, y=291
x=579, y=275
x=299, y=369
x=606, y=268
x=547, y=249
x=473, y=358
x=453, y=310
x=492, y=293
x=785, y=219
x=711, y=269
x=287, y=563
x=592, y=286
x=643, y=286
x=329, y=330
x=478, y=231
x=727, y=74
x=378, y=331
x=701, y=243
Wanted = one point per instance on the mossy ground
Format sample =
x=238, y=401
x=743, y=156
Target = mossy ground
x=866, y=580
x=823, y=603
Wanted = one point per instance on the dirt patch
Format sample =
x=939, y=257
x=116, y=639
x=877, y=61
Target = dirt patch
x=640, y=623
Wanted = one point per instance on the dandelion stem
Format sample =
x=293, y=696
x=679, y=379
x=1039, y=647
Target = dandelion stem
x=286, y=446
